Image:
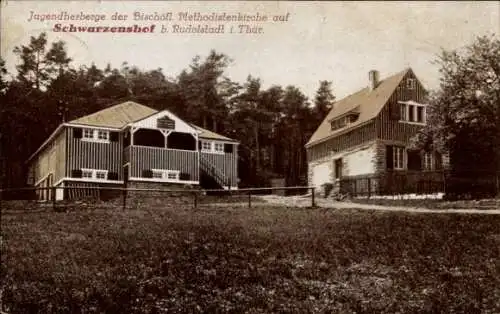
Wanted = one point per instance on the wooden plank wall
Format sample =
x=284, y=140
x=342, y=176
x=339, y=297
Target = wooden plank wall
x=227, y=163
x=388, y=127
x=94, y=155
x=146, y=158
x=350, y=139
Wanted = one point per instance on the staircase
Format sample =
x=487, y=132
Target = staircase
x=217, y=174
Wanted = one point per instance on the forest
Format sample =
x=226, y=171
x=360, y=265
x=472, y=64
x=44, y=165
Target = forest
x=271, y=124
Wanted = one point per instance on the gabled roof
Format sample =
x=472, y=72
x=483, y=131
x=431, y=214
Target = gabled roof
x=367, y=103
x=204, y=133
x=116, y=116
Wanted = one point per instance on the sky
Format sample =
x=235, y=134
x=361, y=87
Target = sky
x=309, y=42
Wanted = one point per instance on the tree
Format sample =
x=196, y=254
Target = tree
x=33, y=70
x=324, y=100
x=464, y=114
x=203, y=87
x=3, y=76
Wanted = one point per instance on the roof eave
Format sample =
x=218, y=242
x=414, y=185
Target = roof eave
x=308, y=145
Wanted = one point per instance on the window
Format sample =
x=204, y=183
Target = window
x=157, y=174
x=398, y=157
x=171, y=175
x=219, y=147
x=420, y=114
x=410, y=83
x=100, y=175
x=212, y=147
x=88, y=134
x=343, y=121
x=206, y=146
x=427, y=161
x=96, y=135
x=94, y=174
x=413, y=112
x=102, y=135
x=165, y=175
x=88, y=174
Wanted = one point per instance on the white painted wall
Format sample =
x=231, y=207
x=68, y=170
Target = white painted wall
x=150, y=122
x=321, y=174
x=360, y=162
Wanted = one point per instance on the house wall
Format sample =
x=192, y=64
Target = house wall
x=348, y=140
x=151, y=122
x=147, y=158
x=94, y=155
x=50, y=161
x=227, y=163
x=387, y=122
x=358, y=161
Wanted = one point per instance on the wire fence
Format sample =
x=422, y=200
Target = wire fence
x=64, y=198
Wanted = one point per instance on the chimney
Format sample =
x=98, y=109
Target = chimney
x=373, y=78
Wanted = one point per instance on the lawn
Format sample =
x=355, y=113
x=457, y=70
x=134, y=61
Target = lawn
x=258, y=260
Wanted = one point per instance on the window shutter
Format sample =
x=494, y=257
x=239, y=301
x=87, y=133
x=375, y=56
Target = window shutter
x=76, y=173
x=389, y=157
x=77, y=133
x=146, y=173
x=184, y=176
x=112, y=176
x=438, y=161
x=228, y=148
x=113, y=136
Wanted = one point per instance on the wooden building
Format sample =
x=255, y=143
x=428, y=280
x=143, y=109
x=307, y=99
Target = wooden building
x=132, y=145
x=367, y=135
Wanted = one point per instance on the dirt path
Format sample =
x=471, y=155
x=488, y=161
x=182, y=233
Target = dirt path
x=304, y=201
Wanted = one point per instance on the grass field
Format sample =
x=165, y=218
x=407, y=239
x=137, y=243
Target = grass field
x=257, y=260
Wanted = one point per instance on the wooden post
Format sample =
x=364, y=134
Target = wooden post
x=54, y=198
x=249, y=199
x=369, y=187
x=195, y=200
x=313, y=202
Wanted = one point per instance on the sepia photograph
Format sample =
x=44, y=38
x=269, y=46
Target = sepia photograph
x=249, y=156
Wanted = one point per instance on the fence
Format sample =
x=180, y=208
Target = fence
x=452, y=184
x=135, y=197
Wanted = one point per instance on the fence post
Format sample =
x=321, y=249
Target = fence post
x=195, y=200
x=313, y=202
x=54, y=189
x=249, y=199
x=124, y=198
x=369, y=187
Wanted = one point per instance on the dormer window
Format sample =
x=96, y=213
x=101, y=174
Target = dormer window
x=343, y=121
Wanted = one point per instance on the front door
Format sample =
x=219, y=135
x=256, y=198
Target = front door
x=338, y=168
